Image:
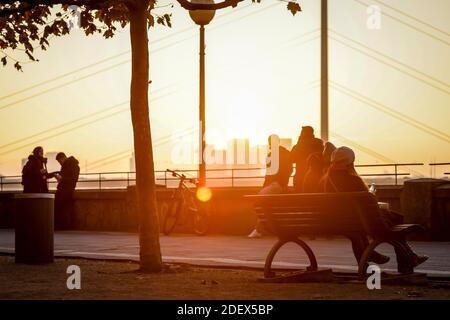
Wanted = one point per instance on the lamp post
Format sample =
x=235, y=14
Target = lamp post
x=202, y=18
x=324, y=125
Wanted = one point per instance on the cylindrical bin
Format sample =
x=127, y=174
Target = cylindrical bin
x=34, y=227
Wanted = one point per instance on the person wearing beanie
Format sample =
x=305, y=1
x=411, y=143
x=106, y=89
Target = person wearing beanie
x=342, y=177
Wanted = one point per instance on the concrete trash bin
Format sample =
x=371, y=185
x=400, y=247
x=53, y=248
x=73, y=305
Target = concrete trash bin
x=34, y=227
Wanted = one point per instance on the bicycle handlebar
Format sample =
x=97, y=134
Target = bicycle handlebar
x=182, y=176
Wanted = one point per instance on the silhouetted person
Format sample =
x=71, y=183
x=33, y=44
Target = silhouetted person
x=327, y=152
x=279, y=170
x=307, y=144
x=342, y=177
x=34, y=173
x=315, y=173
x=67, y=181
x=284, y=167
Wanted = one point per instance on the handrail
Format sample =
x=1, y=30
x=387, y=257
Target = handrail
x=433, y=167
x=229, y=174
x=390, y=165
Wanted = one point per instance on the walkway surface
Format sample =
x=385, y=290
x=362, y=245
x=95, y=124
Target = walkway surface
x=229, y=250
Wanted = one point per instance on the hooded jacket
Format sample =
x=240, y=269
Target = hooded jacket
x=284, y=169
x=70, y=170
x=33, y=180
x=342, y=180
x=305, y=147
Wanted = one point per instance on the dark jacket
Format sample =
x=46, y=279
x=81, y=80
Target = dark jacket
x=70, y=171
x=33, y=180
x=300, y=153
x=284, y=169
x=311, y=182
x=342, y=181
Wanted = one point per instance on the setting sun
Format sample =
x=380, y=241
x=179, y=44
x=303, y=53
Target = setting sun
x=204, y=194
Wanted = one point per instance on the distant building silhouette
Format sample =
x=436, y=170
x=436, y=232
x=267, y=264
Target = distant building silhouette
x=213, y=156
x=238, y=152
x=262, y=150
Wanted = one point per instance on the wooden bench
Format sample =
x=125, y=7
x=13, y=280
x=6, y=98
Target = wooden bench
x=290, y=216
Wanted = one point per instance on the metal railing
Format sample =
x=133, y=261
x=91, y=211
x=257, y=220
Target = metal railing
x=433, y=167
x=115, y=180
x=395, y=166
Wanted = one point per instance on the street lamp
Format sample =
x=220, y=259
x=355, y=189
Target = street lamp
x=202, y=18
x=324, y=126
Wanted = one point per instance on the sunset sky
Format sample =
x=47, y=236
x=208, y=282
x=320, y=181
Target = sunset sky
x=389, y=88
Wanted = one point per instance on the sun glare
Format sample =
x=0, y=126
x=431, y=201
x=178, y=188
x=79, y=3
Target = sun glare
x=204, y=194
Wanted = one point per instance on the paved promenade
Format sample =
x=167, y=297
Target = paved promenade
x=228, y=250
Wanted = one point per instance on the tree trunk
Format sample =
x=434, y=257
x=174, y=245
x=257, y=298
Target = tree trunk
x=150, y=252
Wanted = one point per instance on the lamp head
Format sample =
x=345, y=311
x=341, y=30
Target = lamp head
x=202, y=17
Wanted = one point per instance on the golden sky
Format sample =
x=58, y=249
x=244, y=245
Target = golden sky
x=389, y=89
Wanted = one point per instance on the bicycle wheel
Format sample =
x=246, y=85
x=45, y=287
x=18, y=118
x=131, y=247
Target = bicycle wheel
x=201, y=222
x=171, y=216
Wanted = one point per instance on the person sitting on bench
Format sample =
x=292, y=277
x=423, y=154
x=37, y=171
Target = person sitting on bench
x=342, y=177
x=278, y=180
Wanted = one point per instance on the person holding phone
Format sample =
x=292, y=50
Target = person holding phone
x=67, y=180
x=34, y=173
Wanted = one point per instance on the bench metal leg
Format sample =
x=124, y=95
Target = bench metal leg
x=268, y=273
x=400, y=250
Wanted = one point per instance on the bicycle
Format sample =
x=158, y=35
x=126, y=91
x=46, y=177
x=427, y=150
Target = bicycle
x=184, y=204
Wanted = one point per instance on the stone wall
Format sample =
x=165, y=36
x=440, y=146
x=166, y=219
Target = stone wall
x=113, y=210
x=440, y=217
x=105, y=210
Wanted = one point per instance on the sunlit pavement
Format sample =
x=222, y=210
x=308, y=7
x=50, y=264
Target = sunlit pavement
x=228, y=250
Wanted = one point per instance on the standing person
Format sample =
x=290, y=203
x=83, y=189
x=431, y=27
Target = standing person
x=67, y=181
x=307, y=144
x=278, y=172
x=34, y=173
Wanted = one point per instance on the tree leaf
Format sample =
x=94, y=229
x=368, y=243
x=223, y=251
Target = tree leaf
x=108, y=34
x=161, y=20
x=167, y=18
x=30, y=56
x=28, y=46
x=294, y=7
x=18, y=66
